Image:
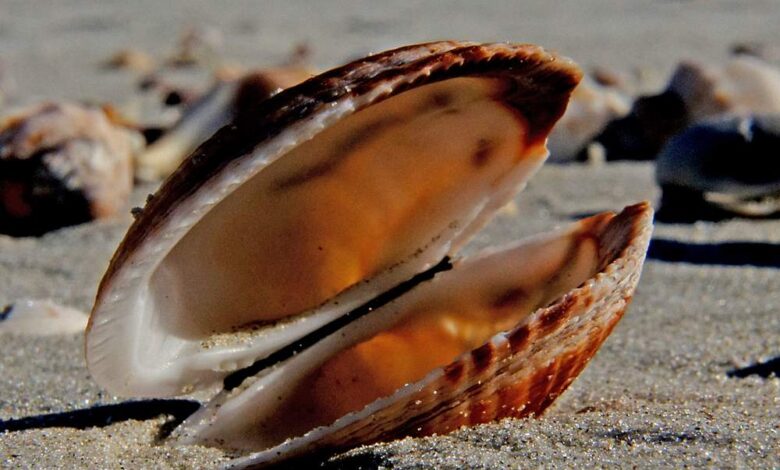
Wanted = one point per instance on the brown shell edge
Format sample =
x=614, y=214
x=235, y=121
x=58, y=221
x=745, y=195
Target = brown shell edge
x=543, y=83
x=515, y=376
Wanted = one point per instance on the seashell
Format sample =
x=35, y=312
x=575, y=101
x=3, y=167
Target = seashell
x=591, y=107
x=744, y=85
x=36, y=317
x=158, y=104
x=303, y=261
x=209, y=113
x=642, y=132
x=62, y=164
x=699, y=177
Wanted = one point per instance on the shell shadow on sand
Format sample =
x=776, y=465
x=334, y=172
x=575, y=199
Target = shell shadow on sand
x=105, y=415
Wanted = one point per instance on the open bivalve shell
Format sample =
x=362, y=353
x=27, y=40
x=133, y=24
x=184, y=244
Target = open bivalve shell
x=300, y=261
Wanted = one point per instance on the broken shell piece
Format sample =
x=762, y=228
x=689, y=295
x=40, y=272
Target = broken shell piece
x=33, y=317
x=744, y=85
x=697, y=169
x=641, y=134
x=307, y=245
x=591, y=107
x=62, y=164
x=215, y=109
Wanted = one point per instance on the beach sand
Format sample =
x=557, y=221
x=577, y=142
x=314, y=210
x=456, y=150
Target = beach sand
x=656, y=394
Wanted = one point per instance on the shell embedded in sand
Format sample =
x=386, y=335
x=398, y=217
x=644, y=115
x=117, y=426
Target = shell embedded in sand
x=62, y=164
x=301, y=261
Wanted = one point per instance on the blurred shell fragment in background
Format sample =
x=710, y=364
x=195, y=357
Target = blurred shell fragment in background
x=63, y=164
x=744, y=85
x=226, y=99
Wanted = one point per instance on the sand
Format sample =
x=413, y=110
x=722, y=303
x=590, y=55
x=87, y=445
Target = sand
x=656, y=394
x=53, y=48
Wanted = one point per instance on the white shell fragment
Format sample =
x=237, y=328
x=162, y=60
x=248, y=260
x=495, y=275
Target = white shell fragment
x=203, y=119
x=35, y=317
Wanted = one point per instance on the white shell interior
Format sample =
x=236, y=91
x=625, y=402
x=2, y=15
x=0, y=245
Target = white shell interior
x=379, y=194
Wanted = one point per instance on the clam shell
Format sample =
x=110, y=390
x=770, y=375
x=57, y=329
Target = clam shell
x=535, y=86
x=183, y=305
